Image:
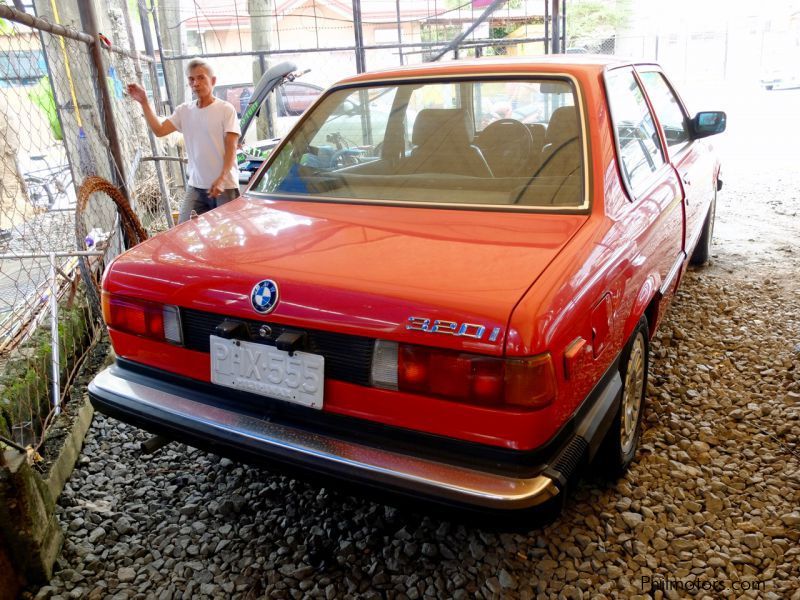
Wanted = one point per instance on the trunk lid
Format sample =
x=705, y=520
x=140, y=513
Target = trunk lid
x=356, y=269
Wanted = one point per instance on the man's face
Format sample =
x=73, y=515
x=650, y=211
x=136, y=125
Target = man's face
x=201, y=83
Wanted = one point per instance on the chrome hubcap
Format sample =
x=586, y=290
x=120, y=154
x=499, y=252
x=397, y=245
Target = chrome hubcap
x=632, y=394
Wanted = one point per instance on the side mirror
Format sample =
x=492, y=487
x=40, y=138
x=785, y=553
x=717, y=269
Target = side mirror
x=708, y=123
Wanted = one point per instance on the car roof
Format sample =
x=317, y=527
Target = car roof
x=554, y=63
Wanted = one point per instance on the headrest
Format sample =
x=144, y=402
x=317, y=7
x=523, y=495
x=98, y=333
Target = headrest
x=451, y=124
x=563, y=125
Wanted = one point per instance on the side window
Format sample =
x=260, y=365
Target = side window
x=640, y=151
x=668, y=110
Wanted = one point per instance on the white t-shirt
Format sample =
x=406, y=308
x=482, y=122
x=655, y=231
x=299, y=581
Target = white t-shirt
x=204, y=132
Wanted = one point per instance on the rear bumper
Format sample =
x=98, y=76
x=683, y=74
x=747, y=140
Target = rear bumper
x=164, y=409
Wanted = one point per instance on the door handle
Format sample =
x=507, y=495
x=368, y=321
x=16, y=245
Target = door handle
x=685, y=179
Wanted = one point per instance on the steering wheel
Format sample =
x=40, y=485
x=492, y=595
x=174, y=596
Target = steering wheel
x=343, y=158
x=506, y=145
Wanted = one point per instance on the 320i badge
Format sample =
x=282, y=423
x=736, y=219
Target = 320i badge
x=455, y=307
x=472, y=330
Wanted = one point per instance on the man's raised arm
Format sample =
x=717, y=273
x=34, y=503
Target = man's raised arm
x=158, y=127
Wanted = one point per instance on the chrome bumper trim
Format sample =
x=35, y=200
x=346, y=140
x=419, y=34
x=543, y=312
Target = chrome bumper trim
x=343, y=458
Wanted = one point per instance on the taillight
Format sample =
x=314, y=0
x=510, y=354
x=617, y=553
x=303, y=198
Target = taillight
x=526, y=383
x=142, y=317
x=530, y=382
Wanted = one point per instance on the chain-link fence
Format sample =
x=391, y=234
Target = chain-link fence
x=331, y=40
x=64, y=117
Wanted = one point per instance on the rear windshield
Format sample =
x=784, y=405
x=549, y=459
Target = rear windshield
x=514, y=143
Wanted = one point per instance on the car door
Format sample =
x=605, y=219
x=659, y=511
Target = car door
x=690, y=158
x=654, y=215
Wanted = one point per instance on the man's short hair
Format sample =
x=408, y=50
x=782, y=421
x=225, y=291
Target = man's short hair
x=199, y=62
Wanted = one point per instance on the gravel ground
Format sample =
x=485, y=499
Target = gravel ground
x=712, y=500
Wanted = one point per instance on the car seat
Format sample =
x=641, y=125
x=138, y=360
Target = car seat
x=561, y=155
x=442, y=140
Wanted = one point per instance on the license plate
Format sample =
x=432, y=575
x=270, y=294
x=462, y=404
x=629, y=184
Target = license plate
x=267, y=371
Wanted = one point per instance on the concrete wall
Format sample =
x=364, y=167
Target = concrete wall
x=30, y=534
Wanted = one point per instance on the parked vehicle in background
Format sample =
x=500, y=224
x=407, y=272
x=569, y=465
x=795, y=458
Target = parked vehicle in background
x=777, y=78
x=291, y=99
x=278, y=82
x=446, y=303
x=780, y=70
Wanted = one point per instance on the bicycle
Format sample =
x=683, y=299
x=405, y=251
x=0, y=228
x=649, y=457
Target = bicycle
x=47, y=185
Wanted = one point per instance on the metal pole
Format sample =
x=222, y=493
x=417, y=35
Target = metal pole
x=54, y=341
x=152, y=11
x=55, y=359
x=59, y=105
x=555, y=41
x=6, y=12
x=170, y=100
x=48, y=254
x=151, y=52
x=361, y=59
x=725, y=59
x=281, y=52
x=89, y=20
x=547, y=26
x=454, y=44
x=129, y=30
x=399, y=31
x=563, y=26
x=148, y=48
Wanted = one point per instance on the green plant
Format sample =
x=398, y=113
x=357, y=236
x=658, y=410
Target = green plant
x=595, y=19
x=27, y=380
x=42, y=96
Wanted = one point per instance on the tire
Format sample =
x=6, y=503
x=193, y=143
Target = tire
x=619, y=446
x=702, y=252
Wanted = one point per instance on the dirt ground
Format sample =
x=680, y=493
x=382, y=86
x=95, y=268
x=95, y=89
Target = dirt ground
x=757, y=229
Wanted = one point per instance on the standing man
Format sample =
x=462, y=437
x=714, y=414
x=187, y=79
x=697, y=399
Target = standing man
x=211, y=133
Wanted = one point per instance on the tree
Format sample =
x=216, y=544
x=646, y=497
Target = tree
x=590, y=21
x=260, y=24
x=171, y=38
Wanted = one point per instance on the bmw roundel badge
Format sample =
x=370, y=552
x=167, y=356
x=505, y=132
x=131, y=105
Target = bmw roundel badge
x=264, y=296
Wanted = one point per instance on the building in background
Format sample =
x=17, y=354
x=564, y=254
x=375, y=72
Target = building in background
x=213, y=27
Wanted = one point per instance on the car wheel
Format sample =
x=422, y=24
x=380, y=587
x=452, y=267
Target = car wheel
x=702, y=252
x=619, y=446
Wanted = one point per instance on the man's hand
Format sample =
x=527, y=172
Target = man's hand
x=157, y=125
x=217, y=187
x=137, y=93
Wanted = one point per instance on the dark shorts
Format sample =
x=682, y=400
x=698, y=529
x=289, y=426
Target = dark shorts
x=199, y=201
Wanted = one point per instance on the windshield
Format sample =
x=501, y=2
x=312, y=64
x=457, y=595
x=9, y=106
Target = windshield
x=482, y=143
